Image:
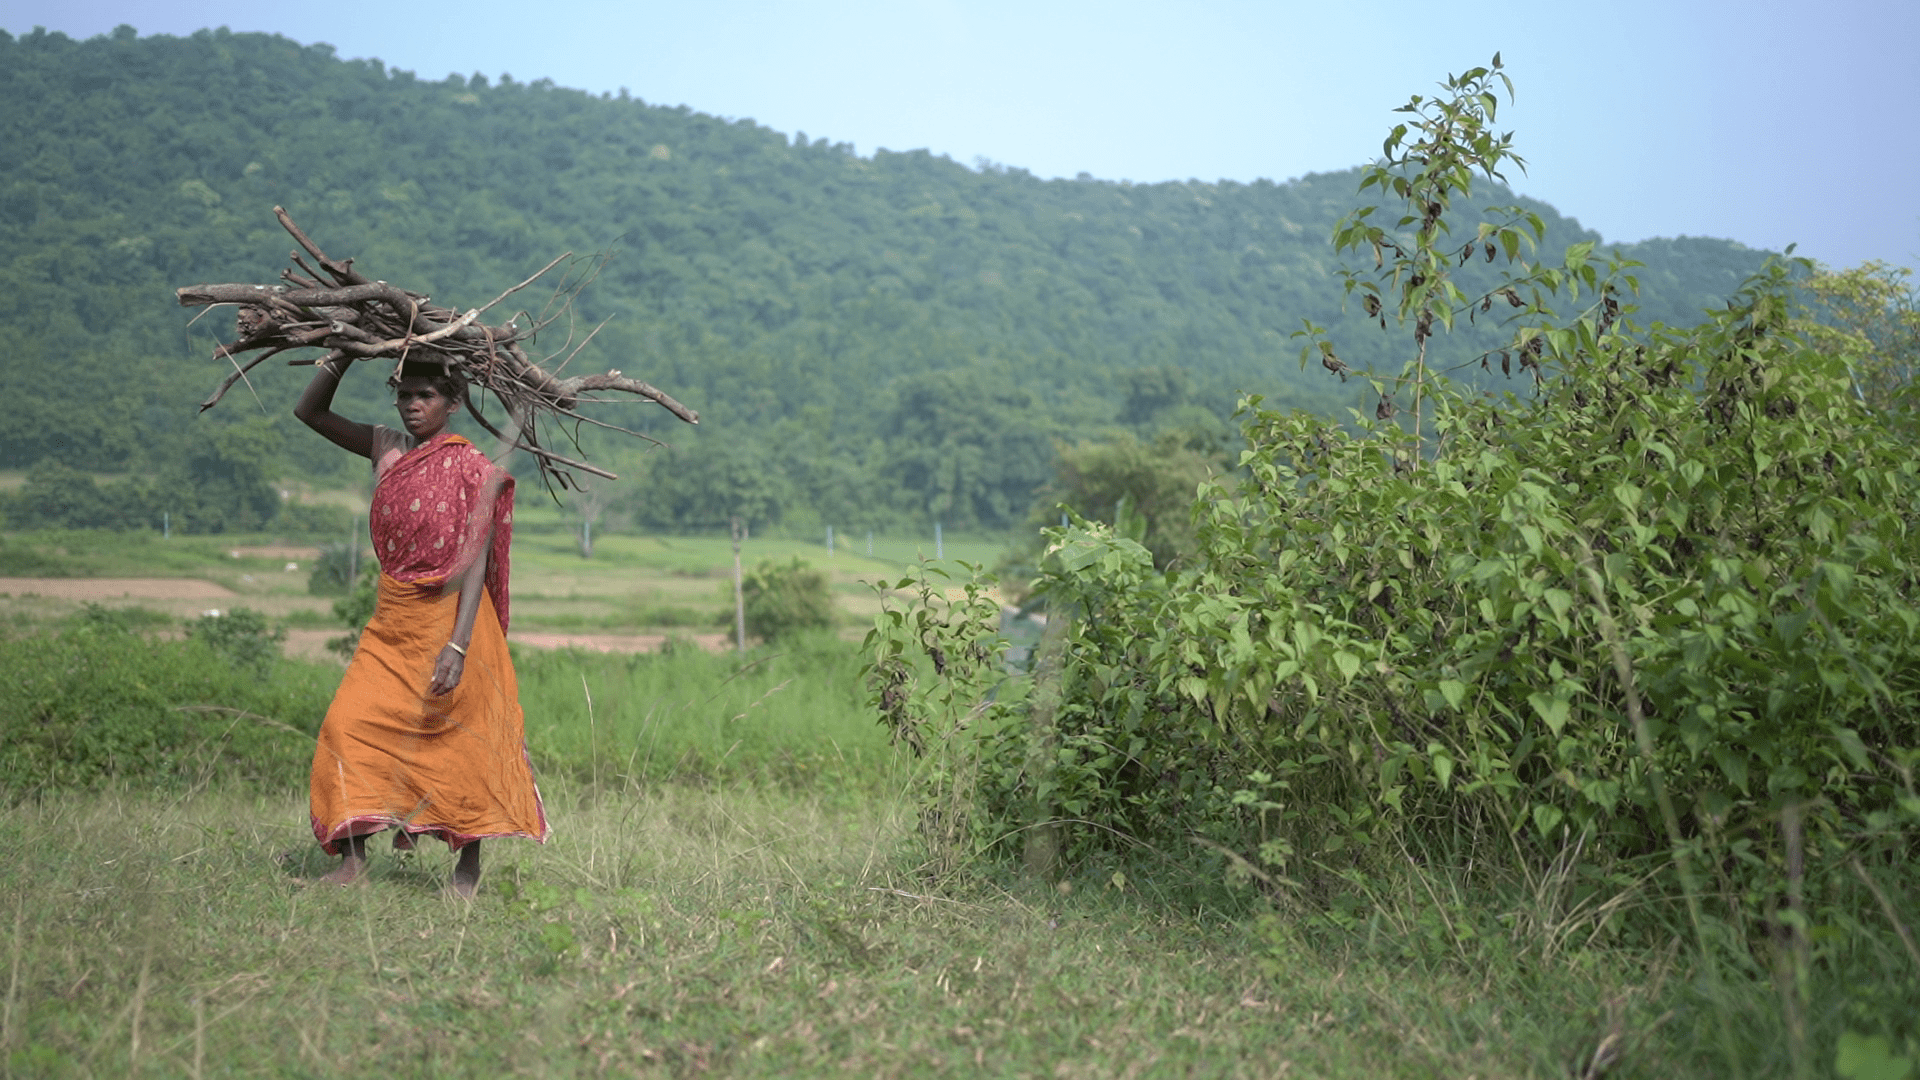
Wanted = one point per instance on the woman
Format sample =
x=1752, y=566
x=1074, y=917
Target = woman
x=425, y=733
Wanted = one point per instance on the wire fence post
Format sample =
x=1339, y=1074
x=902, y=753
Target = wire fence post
x=739, y=601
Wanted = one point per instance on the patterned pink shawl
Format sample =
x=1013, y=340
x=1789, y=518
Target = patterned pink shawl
x=432, y=510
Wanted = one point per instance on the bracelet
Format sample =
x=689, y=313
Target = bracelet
x=457, y=648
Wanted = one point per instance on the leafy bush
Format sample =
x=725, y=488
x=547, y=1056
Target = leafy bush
x=1144, y=488
x=785, y=598
x=242, y=635
x=334, y=571
x=355, y=609
x=96, y=702
x=58, y=496
x=1656, y=617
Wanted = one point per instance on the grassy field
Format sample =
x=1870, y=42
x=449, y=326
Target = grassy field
x=741, y=930
x=735, y=887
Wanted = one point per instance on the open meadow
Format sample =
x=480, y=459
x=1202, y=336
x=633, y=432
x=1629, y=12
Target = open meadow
x=634, y=592
x=735, y=929
x=736, y=884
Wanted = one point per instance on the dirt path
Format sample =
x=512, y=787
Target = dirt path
x=312, y=644
x=620, y=643
x=97, y=589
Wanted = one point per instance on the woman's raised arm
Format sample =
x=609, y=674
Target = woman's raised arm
x=315, y=409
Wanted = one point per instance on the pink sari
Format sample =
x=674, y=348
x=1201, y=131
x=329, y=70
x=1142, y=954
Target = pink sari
x=432, y=506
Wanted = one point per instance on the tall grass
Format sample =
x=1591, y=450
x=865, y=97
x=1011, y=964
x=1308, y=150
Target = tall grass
x=791, y=714
x=100, y=697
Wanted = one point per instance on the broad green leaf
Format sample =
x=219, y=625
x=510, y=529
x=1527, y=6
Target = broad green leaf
x=1732, y=765
x=1560, y=601
x=1546, y=818
x=1792, y=624
x=1554, y=710
x=1348, y=663
x=1853, y=747
x=1869, y=1057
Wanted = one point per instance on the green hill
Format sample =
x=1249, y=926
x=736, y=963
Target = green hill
x=870, y=341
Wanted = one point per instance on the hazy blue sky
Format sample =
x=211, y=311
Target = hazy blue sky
x=1763, y=121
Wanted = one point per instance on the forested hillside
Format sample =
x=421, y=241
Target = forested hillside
x=870, y=341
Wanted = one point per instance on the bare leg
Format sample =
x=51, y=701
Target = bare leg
x=466, y=872
x=353, y=863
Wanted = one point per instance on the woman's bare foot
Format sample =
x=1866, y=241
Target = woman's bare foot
x=351, y=871
x=466, y=872
x=353, y=864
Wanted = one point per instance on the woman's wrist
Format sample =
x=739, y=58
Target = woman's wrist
x=457, y=647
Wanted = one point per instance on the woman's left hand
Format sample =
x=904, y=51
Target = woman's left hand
x=447, y=671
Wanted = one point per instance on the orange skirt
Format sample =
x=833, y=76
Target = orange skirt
x=390, y=755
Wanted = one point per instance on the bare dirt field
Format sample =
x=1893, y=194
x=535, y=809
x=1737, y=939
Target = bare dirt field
x=312, y=644
x=620, y=643
x=191, y=596
x=95, y=590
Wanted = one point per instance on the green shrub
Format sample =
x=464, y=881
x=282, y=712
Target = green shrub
x=785, y=598
x=96, y=702
x=57, y=496
x=1652, y=620
x=355, y=609
x=334, y=571
x=242, y=635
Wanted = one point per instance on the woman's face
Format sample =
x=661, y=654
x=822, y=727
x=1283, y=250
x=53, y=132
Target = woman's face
x=423, y=408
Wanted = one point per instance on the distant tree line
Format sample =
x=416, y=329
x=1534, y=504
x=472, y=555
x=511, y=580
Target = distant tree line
x=881, y=341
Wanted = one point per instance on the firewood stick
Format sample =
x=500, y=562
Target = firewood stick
x=239, y=372
x=613, y=380
x=343, y=271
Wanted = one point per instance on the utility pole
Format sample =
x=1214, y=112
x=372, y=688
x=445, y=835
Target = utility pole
x=739, y=600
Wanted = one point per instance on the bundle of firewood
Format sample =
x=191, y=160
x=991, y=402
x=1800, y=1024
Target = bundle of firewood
x=329, y=305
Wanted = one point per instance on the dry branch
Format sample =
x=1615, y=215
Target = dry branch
x=327, y=304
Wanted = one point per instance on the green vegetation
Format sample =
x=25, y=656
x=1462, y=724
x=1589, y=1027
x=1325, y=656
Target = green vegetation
x=737, y=931
x=785, y=715
x=99, y=703
x=86, y=553
x=783, y=599
x=1565, y=731
x=114, y=696
x=879, y=342
x=1640, y=645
